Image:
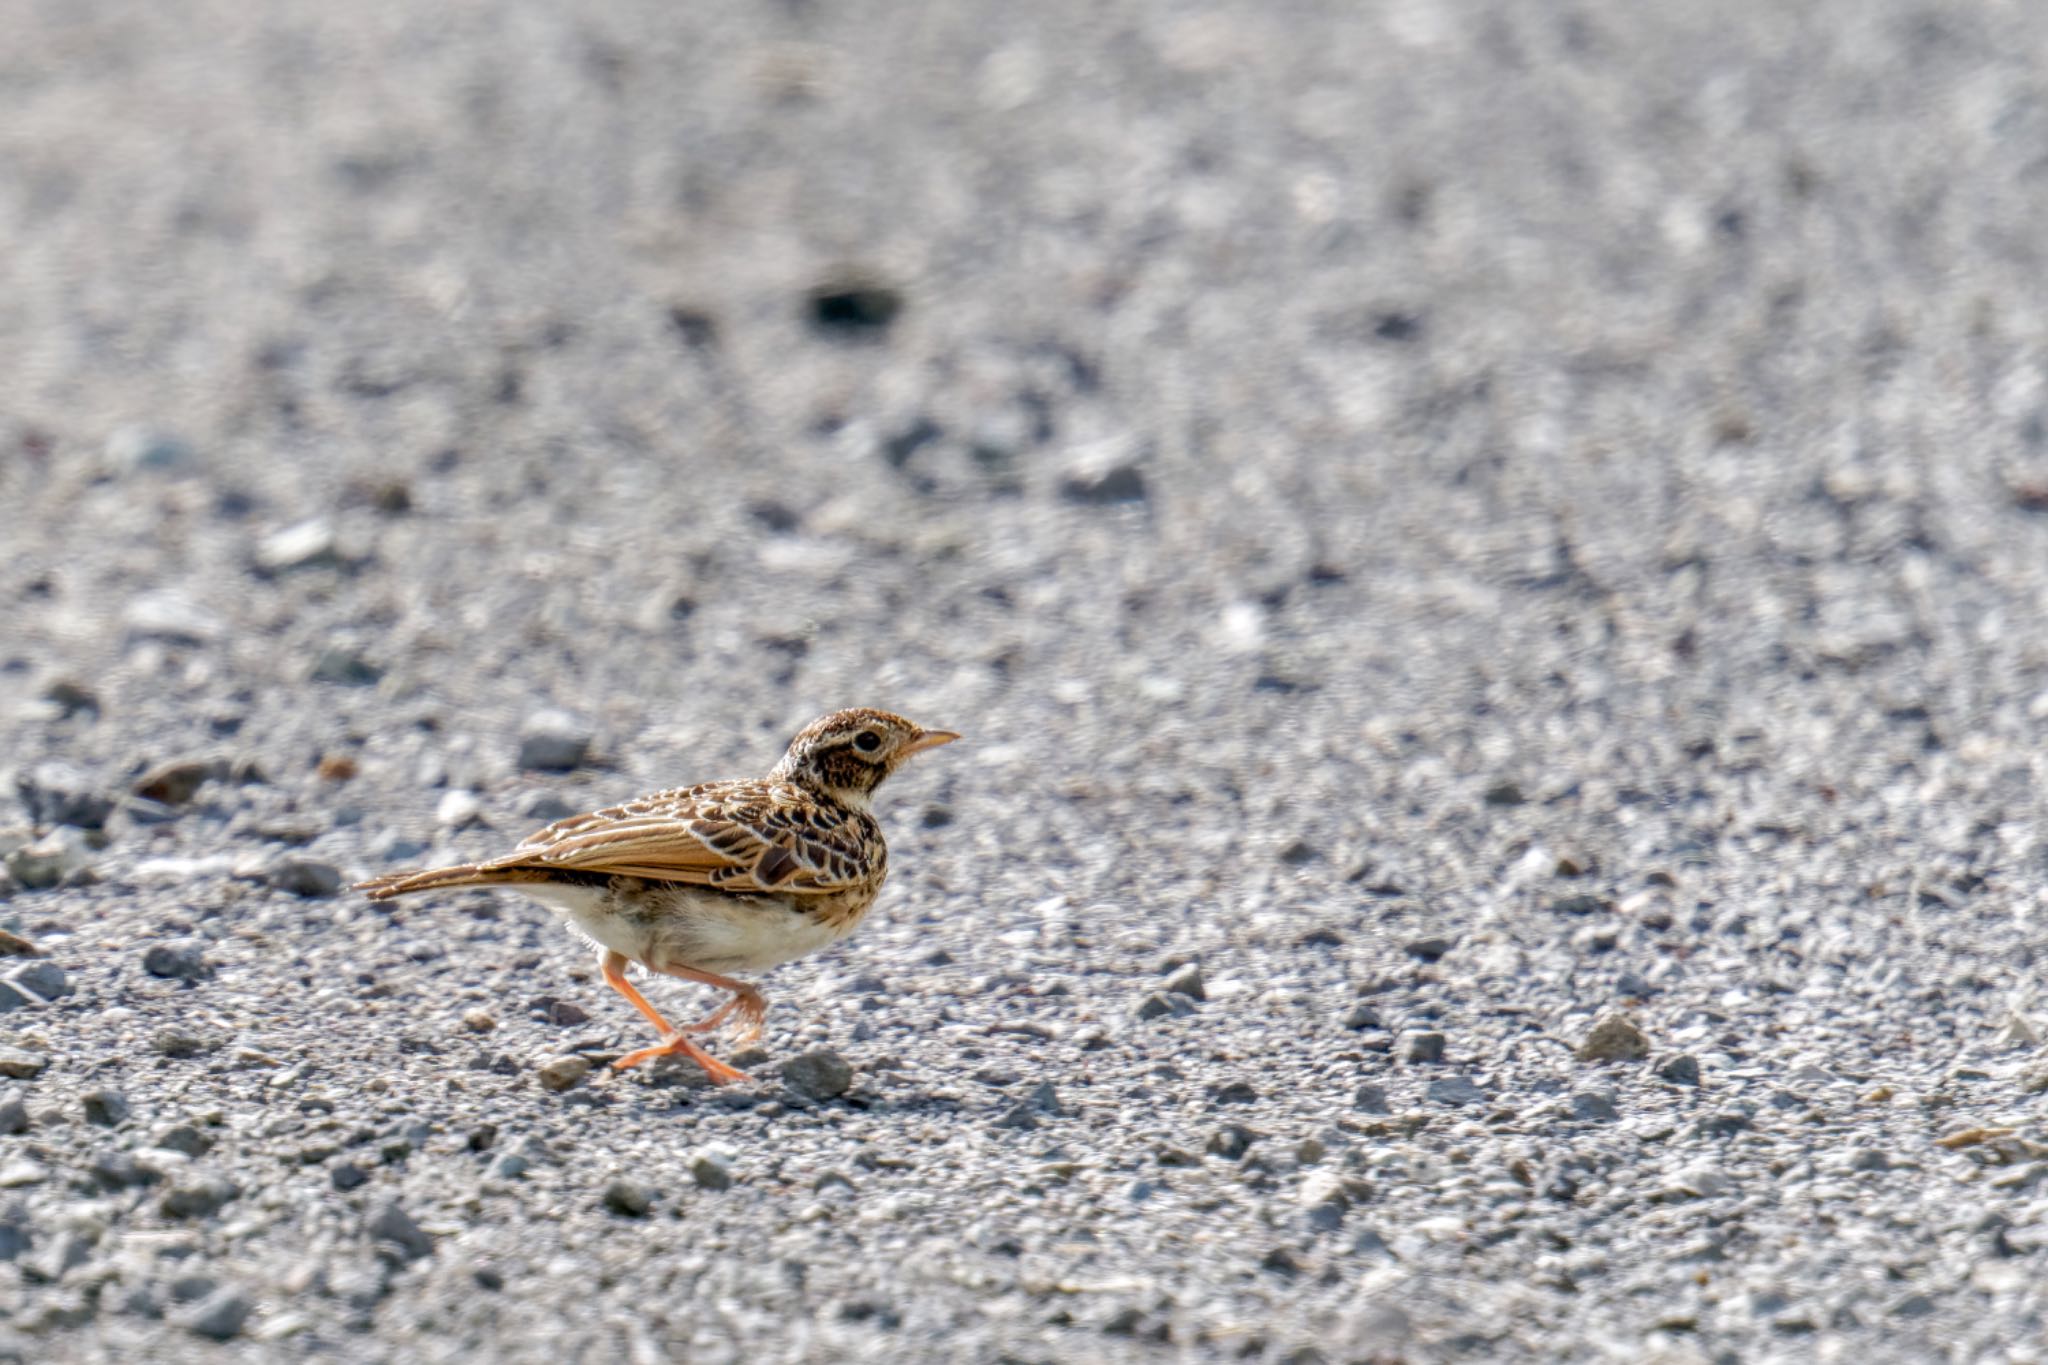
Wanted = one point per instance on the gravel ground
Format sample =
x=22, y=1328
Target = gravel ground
x=1491, y=556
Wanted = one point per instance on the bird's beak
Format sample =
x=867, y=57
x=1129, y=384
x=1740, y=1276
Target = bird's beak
x=928, y=739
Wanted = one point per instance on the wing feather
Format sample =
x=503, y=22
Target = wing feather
x=738, y=836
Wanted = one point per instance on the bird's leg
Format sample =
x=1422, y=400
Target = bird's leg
x=613, y=966
x=747, y=1001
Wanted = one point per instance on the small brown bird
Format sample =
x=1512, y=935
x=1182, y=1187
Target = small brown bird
x=720, y=877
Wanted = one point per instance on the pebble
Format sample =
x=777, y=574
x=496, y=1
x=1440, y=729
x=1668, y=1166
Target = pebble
x=1045, y=1099
x=1019, y=1117
x=58, y=857
x=1361, y=1017
x=177, y=782
x=220, y=1315
x=184, y=1139
x=197, y=1194
x=1455, y=1090
x=1370, y=1099
x=105, y=1108
x=1614, y=1038
x=309, y=544
x=1231, y=1141
x=546, y=807
x=553, y=741
x=71, y=696
x=181, y=961
x=1680, y=1069
x=1429, y=947
x=13, y=1116
x=306, y=877
x=627, y=1197
x=44, y=979
x=345, y=668
x=458, y=808
x=479, y=1021
x=1106, y=474
x=1594, y=1108
x=58, y=793
x=176, y=1041
x=1187, y=981
x=14, y=945
x=21, y=1065
x=1424, y=1047
x=348, y=1176
x=1158, y=1004
x=562, y=1073
x=20, y=1172
x=130, y=449
x=819, y=1074
x=710, y=1170
x=171, y=616
x=393, y=1226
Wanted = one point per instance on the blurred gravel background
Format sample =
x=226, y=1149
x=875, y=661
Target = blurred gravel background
x=1492, y=557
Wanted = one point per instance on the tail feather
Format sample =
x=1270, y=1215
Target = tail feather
x=442, y=878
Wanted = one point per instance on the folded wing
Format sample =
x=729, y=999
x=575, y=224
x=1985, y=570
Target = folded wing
x=738, y=836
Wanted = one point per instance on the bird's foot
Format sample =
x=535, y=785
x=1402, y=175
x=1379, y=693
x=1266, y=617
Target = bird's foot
x=748, y=1005
x=718, y=1071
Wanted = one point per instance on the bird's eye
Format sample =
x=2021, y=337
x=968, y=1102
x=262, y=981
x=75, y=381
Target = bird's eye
x=867, y=741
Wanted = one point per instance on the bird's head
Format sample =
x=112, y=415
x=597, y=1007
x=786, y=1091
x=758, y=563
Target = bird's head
x=848, y=753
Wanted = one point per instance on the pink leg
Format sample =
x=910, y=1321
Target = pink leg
x=747, y=1001
x=613, y=966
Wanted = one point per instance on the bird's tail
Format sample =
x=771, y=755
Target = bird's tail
x=443, y=878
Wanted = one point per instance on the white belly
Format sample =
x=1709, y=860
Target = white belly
x=697, y=928
x=720, y=934
x=584, y=908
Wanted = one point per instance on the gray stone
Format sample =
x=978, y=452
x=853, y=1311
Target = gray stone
x=391, y=1225
x=105, y=1108
x=1594, y=1108
x=348, y=1176
x=344, y=668
x=1187, y=981
x=819, y=1074
x=13, y=1115
x=709, y=1170
x=1370, y=1099
x=171, y=616
x=309, y=544
x=21, y=1065
x=627, y=1197
x=220, y=1315
x=1614, y=1038
x=1018, y=1116
x=1045, y=1099
x=197, y=1194
x=183, y=1138
x=553, y=741
x=58, y=793
x=563, y=1073
x=182, y=961
x=1424, y=1048
x=1361, y=1017
x=58, y=857
x=1680, y=1069
x=1455, y=1090
x=1429, y=947
x=43, y=978
x=1231, y=1141
x=307, y=877
x=177, y=782
x=132, y=449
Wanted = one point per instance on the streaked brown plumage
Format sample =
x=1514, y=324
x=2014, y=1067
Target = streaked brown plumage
x=720, y=877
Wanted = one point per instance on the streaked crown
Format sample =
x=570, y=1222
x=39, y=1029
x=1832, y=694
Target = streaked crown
x=848, y=753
